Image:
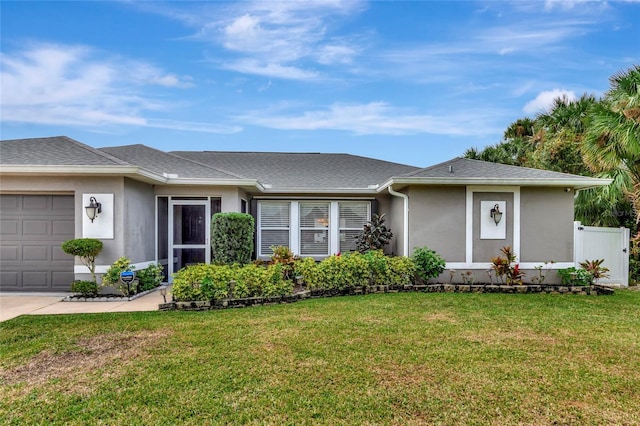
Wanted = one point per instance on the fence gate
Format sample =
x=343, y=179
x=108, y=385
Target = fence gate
x=610, y=244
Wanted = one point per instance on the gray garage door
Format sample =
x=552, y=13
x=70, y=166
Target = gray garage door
x=32, y=228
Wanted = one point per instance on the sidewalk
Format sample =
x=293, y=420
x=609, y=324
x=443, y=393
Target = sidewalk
x=15, y=304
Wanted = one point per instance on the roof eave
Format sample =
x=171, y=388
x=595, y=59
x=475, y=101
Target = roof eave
x=365, y=191
x=251, y=183
x=576, y=183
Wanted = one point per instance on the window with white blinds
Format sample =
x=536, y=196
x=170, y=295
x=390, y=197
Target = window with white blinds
x=274, y=223
x=352, y=218
x=314, y=229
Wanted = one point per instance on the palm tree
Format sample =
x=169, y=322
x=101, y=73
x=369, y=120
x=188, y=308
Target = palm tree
x=612, y=139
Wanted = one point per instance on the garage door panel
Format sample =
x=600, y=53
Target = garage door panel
x=32, y=231
x=62, y=280
x=35, y=227
x=8, y=278
x=57, y=254
x=36, y=278
x=9, y=253
x=9, y=227
x=36, y=202
x=63, y=205
x=62, y=227
x=35, y=253
x=9, y=203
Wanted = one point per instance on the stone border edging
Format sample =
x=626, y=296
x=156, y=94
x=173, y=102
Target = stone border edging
x=110, y=298
x=594, y=290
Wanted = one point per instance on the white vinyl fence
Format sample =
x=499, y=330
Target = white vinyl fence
x=610, y=244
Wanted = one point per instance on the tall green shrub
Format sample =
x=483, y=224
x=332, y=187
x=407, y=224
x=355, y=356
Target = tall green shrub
x=87, y=249
x=428, y=263
x=231, y=238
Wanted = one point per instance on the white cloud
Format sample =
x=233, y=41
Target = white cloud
x=74, y=85
x=545, y=99
x=378, y=118
x=279, y=39
x=275, y=70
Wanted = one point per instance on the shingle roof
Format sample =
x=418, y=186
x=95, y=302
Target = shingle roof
x=53, y=151
x=302, y=171
x=161, y=163
x=466, y=168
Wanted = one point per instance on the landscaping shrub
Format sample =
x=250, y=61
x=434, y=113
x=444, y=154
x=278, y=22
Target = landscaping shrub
x=307, y=268
x=374, y=236
x=150, y=277
x=378, y=265
x=85, y=288
x=504, y=267
x=87, y=249
x=402, y=270
x=112, y=276
x=428, y=263
x=340, y=272
x=231, y=238
x=572, y=276
x=210, y=282
x=284, y=256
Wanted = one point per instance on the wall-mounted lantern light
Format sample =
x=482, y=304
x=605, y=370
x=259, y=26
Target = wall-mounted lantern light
x=496, y=214
x=93, y=209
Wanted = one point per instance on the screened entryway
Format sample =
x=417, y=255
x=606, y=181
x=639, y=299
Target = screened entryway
x=184, y=229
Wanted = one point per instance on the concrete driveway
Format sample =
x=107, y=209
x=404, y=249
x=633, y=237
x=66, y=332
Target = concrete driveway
x=15, y=304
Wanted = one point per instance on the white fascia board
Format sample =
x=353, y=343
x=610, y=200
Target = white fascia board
x=128, y=171
x=133, y=172
x=559, y=182
x=215, y=182
x=321, y=191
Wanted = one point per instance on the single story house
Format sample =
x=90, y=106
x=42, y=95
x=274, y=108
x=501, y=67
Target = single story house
x=156, y=206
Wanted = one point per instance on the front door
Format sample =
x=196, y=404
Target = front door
x=189, y=233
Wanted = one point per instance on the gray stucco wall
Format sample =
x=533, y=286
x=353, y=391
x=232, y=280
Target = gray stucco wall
x=230, y=195
x=484, y=250
x=437, y=220
x=139, y=221
x=77, y=185
x=546, y=228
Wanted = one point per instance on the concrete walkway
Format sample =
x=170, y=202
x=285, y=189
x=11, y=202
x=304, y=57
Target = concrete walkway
x=15, y=304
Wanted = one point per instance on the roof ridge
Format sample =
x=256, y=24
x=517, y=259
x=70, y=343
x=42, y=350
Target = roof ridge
x=206, y=165
x=94, y=150
x=171, y=154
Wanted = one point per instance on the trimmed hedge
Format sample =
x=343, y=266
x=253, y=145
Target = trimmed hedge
x=204, y=282
x=231, y=238
x=212, y=282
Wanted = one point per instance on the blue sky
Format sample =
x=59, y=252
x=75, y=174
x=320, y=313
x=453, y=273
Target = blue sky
x=411, y=82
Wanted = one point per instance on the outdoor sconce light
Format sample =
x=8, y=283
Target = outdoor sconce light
x=496, y=214
x=93, y=209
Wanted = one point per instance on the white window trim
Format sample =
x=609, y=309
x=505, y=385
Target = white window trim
x=468, y=263
x=259, y=226
x=294, y=223
x=328, y=228
x=338, y=228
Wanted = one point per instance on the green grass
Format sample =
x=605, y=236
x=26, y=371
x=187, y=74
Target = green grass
x=378, y=359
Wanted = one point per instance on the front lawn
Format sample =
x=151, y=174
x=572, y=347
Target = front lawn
x=406, y=358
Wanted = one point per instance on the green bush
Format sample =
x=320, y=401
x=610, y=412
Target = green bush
x=307, y=268
x=378, y=265
x=428, y=263
x=210, y=282
x=112, y=276
x=150, y=277
x=572, y=276
x=231, y=238
x=340, y=272
x=374, y=236
x=87, y=249
x=402, y=270
x=85, y=288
